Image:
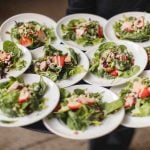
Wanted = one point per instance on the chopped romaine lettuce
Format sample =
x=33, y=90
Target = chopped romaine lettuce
x=80, y=109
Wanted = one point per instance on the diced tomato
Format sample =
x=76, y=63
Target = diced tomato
x=129, y=102
x=144, y=93
x=23, y=100
x=61, y=61
x=149, y=89
x=74, y=105
x=25, y=41
x=114, y=73
x=100, y=32
x=130, y=30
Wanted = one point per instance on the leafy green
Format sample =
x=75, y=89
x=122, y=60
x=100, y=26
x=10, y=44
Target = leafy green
x=79, y=91
x=53, y=70
x=36, y=33
x=75, y=57
x=141, y=108
x=11, y=47
x=9, y=99
x=90, y=36
x=131, y=72
x=141, y=35
x=102, y=61
x=88, y=113
x=15, y=62
x=64, y=93
x=112, y=106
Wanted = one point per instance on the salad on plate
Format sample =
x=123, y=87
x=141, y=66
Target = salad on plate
x=136, y=97
x=57, y=65
x=18, y=99
x=81, y=108
x=135, y=29
x=111, y=61
x=83, y=32
x=10, y=58
x=32, y=34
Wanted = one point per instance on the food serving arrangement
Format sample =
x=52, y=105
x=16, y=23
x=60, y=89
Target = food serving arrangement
x=82, y=76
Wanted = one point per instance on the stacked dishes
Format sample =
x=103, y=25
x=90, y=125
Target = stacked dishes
x=52, y=55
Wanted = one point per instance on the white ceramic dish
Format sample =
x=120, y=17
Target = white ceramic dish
x=83, y=61
x=109, y=124
x=26, y=56
x=66, y=19
x=140, y=58
x=109, y=31
x=52, y=94
x=130, y=121
x=25, y=17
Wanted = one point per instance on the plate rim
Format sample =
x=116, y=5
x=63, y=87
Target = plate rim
x=20, y=14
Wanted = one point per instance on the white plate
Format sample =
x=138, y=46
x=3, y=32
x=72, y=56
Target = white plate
x=52, y=94
x=109, y=31
x=83, y=61
x=140, y=57
x=25, y=17
x=108, y=124
x=66, y=19
x=26, y=56
x=130, y=121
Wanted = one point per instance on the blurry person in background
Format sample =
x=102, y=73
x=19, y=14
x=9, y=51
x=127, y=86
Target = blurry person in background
x=121, y=138
x=107, y=8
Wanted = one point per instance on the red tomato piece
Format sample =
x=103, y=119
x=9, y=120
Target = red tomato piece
x=144, y=93
x=25, y=41
x=129, y=30
x=24, y=95
x=74, y=105
x=100, y=32
x=114, y=73
x=61, y=61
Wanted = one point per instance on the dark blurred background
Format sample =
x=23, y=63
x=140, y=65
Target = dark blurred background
x=52, y=8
